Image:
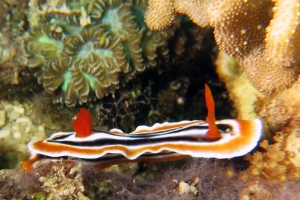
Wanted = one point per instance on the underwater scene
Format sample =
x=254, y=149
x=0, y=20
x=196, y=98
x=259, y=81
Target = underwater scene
x=150, y=99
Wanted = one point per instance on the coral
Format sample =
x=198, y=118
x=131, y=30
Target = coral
x=268, y=50
x=276, y=63
x=87, y=49
x=159, y=14
x=281, y=110
x=292, y=142
x=198, y=11
x=273, y=165
x=170, y=95
x=17, y=128
x=63, y=182
x=197, y=179
x=13, y=27
x=262, y=189
x=50, y=181
x=237, y=83
x=272, y=171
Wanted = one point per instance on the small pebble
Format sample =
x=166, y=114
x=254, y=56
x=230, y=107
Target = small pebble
x=19, y=109
x=183, y=187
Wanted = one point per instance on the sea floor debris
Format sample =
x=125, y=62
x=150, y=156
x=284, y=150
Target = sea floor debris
x=192, y=179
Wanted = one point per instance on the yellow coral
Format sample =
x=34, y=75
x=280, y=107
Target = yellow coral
x=269, y=52
x=198, y=10
x=282, y=40
x=274, y=65
x=272, y=165
x=233, y=34
x=160, y=14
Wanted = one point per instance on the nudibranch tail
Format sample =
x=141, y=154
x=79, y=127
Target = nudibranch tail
x=82, y=124
x=213, y=132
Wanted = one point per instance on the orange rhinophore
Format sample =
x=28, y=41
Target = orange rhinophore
x=213, y=132
x=82, y=124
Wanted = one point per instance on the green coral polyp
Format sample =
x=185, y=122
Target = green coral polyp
x=42, y=49
x=111, y=17
x=91, y=80
x=127, y=51
x=68, y=78
x=49, y=48
x=82, y=53
x=88, y=48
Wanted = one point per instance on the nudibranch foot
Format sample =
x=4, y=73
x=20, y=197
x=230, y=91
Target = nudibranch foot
x=28, y=164
x=102, y=163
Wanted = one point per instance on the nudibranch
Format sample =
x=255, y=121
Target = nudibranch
x=162, y=142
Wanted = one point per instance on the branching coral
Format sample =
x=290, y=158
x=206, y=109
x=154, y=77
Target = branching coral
x=269, y=52
x=86, y=49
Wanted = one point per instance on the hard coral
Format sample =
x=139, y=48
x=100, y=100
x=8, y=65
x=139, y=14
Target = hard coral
x=272, y=172
x=160, y=14
x=267, y=49
x=277, y=61
x=273, y=165
x=85, y=49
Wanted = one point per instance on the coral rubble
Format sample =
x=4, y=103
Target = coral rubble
x=198, y=179
x=89, y=48
x=17, y=128
x=57, y=181
x=204, y=179
x=13, y=27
